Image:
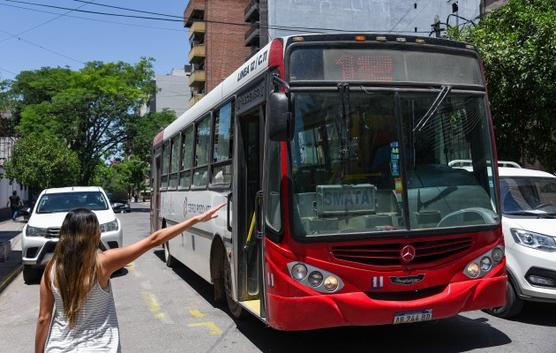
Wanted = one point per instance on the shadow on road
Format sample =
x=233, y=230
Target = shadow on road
x=457, y=334
x=194, y=280
x=537, y=314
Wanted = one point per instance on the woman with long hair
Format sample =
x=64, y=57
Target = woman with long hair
x=77, y=311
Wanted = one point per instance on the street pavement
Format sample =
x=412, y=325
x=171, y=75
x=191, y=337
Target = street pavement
x=171, y=310
x=10, y=245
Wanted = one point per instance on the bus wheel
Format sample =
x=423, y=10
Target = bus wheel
x=513, y=306
x=235, y=309
x=168, y=256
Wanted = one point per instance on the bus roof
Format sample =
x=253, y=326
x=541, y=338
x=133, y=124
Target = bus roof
x=268, y=57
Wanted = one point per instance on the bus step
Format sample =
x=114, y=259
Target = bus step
x=254, y=306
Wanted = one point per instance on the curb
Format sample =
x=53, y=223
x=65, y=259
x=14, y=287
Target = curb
x=10, y=278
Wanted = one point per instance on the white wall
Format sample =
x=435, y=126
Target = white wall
x=363, y=15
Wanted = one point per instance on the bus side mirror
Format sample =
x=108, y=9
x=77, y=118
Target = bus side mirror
x=280, y=119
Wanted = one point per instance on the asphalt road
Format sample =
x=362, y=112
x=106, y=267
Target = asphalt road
x=171, y=310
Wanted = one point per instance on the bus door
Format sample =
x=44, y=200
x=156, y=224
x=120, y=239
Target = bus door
x=247, y=205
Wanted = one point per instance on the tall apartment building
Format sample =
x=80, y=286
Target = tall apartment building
x=217, y=35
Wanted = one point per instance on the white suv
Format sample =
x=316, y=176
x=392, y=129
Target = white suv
x=40, y=234
x=528, y=200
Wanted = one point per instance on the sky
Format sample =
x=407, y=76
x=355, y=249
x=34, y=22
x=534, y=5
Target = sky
x=70, y=41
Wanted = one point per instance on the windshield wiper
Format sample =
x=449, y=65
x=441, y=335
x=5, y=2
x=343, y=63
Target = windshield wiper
x=432, y=109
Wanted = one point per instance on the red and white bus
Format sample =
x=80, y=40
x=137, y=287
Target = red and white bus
x=334, y=154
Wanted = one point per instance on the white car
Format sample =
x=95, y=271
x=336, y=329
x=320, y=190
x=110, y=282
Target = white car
x=528, y=201
x=40, y=234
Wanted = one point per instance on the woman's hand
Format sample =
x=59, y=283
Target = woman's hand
x=210, y=214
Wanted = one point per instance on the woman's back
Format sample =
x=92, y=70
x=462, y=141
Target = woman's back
x=96, y=328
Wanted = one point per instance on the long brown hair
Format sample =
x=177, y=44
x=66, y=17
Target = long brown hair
x=75, y=260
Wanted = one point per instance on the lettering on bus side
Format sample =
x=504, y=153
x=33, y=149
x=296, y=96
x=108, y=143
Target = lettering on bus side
x=197, y=208
x=251, y=66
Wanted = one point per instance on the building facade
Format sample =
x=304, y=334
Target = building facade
x=274, y=18
x=172, y=91
x=216, y=35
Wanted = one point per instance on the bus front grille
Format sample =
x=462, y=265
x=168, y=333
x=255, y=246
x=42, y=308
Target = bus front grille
x=390, y=254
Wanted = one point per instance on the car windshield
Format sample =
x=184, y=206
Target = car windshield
x=522, y=195
x=348, y=170
x=67, y=201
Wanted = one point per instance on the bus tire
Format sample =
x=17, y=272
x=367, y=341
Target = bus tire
x=170, y=262
x=217, y=258
x=234, y=307
x=514, y=304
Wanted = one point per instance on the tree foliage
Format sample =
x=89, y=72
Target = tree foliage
x=90, y=109
x=518, y=45
x=43, y=161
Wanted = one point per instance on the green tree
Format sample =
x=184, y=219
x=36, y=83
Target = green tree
x=43, y=161
x=518, y=45
x=141, y=132
x=90, y=109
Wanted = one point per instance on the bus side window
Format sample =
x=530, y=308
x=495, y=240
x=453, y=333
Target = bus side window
x=222, y=147
x=165, y=165
x=202, y=137
x=273, y=214
x=187, y=158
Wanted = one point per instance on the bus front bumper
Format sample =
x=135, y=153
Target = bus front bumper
x=358, y=309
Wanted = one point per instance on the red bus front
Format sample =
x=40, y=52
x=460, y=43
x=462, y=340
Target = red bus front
x=388, y=209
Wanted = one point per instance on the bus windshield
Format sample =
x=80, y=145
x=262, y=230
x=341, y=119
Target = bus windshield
x=382, y=163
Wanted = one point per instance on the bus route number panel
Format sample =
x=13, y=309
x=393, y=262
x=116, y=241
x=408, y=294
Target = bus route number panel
x=413, y=316
x=347, y=199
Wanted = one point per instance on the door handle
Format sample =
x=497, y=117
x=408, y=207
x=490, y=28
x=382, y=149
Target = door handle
x=229, y=197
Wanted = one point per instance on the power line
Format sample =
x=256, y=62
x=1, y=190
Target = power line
x=96, y=12
x=8, y=71
x=42, y=47
x=128, y=9
x=43, y=23
x=286, y=28
x=95, y=19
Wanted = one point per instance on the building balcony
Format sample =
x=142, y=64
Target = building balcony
x=252, y=35
x=194, y=99
x=197, y=28
x=197, y=78
x=197, y=54
x=252, y=11
x=194, y=11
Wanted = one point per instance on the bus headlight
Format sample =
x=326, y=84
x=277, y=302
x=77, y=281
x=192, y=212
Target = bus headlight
x=317, y=279
x=484, y=263
x=299, y=271
x=331, y=283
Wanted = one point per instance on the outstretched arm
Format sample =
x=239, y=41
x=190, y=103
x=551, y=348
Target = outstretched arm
x=114, y=259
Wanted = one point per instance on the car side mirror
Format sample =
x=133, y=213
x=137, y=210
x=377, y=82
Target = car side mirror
x=280, y=120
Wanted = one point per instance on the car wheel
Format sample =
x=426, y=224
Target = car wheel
x=168, y=256
x=235, y=309
x=30, y=274
x=513, y=306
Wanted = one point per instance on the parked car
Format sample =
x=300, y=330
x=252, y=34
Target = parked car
x=119, y=202
x=40, y=234
x=528, y=201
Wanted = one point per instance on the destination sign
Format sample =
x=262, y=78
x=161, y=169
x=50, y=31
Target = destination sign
x=383, y=65
x=345, y=199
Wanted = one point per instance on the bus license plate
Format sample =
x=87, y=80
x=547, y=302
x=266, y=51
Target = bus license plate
x=414, y=316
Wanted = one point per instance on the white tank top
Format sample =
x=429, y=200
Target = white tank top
x=96, y=328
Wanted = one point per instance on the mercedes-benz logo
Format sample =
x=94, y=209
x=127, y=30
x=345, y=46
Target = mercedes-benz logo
x=407, y=254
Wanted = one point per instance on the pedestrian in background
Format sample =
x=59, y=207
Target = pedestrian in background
x=15, y=203
x=77, y=311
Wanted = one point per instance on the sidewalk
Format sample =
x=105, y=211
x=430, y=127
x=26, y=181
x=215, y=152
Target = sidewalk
x=10, y=237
